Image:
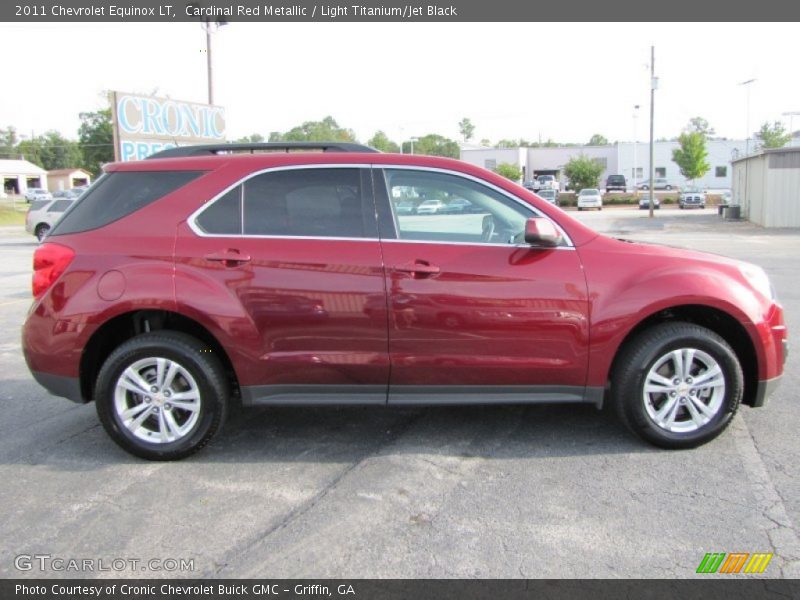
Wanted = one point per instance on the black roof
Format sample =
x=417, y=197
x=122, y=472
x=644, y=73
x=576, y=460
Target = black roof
x=214, y=149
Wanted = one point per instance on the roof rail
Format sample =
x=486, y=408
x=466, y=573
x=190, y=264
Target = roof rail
x=213, y=149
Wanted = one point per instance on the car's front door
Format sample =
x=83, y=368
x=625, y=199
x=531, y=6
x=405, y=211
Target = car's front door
x=474, y=313
x=289, y=263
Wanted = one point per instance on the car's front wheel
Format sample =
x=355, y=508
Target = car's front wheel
x=677, y=385
x=42, y=231
x=162, y=395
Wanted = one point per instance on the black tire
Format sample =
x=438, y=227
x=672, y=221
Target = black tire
x=202, y=365
x=668, y=188
x=41, y=231
x=640, y=355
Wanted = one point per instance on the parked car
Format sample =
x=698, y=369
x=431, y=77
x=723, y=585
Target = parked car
x=69, y=194
x=590, y=198
x=459, y=206
x=174, y=288
x=660, y=184
x=431, y=207
x=550, y=195
x=547, y=182
x=405, y=207
x=43, y=214
x=692, y=197
x=644, y=203
x=616, y=183
x=37, y=194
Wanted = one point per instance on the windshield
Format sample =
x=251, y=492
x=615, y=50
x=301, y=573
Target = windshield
x=589, y=193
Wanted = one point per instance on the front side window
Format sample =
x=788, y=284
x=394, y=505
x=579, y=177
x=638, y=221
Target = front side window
x=449, y=208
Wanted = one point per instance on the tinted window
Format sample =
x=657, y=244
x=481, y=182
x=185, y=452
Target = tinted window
x=39, y=204
x=492, y=218
x=305, y=202
x=60, y=206
x=223, y=217
x=119, y=194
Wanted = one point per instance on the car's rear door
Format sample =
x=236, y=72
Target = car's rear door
x=475, y=316
x=288, y=264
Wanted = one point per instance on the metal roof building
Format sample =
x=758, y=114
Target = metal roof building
x=767, y=187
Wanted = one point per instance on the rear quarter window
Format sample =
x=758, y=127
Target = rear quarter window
x=119, y=194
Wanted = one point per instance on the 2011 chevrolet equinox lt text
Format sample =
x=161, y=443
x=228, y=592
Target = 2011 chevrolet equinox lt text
x=202, y=276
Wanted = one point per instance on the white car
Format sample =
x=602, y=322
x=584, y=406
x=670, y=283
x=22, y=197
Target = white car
x=37, y=194
x=431, y=207
x=43, y=214
x=547, y=182
x=590, y=198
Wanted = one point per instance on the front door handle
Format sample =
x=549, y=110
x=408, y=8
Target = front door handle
x=229, y=257
x=418, y=268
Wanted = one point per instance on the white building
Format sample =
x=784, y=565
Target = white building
x=19, y=175
x=616, y=159
x=767, y=187
x=720, y=155
x=66, y=179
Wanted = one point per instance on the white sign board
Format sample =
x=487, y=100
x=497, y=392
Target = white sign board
x=144, y=125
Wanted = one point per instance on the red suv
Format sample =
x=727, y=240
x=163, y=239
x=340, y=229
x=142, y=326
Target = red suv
x=200, y=277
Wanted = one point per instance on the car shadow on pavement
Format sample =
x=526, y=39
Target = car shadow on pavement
x=75, y=440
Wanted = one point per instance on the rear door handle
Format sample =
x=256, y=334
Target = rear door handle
x=418, y=268
x=230, y=257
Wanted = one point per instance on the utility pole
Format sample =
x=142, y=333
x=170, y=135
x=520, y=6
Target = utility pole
x=633, y=175
x=208, y=24
x=747, y=117
x=653, y=86
x=209, y=65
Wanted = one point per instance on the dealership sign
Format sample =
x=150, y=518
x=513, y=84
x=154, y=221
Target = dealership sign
x=144, y=125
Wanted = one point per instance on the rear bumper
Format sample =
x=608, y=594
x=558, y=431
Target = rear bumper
x=59, y=385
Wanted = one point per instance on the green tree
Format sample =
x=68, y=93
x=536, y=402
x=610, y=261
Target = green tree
x=96, y=140
x=486, y=142
x=583, y=172
x=466, y=128
x=700, y=125
x=691, y=156
x=598, y=140
x=8, y=141
x=253, y=138
x=434, y=144
x=774, y=136
x=51, y=151
x=327, y=130
x=509, y=171
x=380, y=141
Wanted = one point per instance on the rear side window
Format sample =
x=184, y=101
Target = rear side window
x=293, y=203
x=39, y=204
x=119, y=194
x=60, y=206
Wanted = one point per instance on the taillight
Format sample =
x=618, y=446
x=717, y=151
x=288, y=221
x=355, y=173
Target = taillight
x=49, y=263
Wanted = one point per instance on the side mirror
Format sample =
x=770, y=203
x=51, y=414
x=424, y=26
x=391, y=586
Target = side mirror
x=541, y=232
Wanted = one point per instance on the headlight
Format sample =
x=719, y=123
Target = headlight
x=758, y=278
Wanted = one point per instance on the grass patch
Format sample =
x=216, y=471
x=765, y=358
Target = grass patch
x=13, y=215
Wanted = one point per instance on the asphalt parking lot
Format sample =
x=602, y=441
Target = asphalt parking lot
x=540, y=491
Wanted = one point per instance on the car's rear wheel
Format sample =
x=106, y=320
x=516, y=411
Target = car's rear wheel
x=162, y=395
x=677, y=385
x=41, y=231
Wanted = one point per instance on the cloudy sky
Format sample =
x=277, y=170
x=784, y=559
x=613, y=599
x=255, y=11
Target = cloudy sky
x=559, y=81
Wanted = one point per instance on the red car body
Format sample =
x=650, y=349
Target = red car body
x=383, y=321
